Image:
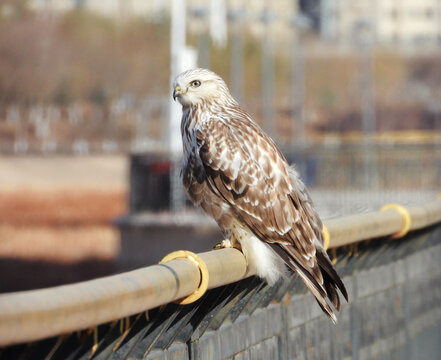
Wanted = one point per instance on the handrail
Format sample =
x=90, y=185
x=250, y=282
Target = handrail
x=33, y=315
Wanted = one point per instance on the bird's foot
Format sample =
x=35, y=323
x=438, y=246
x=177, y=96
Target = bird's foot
x=226, y=243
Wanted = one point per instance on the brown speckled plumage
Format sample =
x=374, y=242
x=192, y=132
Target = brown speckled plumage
x=235, y=172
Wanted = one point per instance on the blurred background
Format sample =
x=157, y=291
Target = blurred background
x=89, y=136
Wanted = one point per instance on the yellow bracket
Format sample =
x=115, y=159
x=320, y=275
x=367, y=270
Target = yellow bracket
x=195, y=259
x=406, y=219
x=326, y=237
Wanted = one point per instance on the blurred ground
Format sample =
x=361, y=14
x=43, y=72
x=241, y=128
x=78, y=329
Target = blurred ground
x=55, y=219
x=60, y=172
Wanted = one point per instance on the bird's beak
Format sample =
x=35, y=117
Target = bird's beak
x=176, y=92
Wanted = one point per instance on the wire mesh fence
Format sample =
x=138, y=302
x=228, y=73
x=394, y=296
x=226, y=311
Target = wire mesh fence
x=343, y=178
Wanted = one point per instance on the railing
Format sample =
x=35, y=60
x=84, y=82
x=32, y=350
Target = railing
x=380, y=168
x=34, y=315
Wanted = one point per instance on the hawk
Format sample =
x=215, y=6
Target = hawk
x=236, y=173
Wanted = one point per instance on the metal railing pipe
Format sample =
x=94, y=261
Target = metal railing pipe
x=354, y=228
x=36, y=314
x=426, y=214
x=32, y=315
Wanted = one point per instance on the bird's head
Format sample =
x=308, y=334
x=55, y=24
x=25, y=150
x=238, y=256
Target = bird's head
x=197, y=86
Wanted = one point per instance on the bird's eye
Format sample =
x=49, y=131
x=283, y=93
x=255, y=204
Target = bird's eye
x=195, y=83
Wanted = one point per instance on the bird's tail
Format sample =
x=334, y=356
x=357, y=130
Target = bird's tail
x=321, y=279
x=331, y=279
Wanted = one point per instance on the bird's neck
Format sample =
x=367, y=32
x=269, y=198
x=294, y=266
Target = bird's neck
x=212, y=106
x=194, y=114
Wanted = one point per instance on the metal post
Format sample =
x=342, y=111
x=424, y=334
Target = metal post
x=298, y=91
x=268, y=79
x=236, y=64
x=367, y=86
x=204, y=50
x=299, y=24
x=218, y=22
x=328, y=26
x=201, y=14
x=178, y=32
x=367, y=93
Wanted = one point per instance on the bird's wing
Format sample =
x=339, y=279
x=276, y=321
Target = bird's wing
x=244, y=166
x=307, y=205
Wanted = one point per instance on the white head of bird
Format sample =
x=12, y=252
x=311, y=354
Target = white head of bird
x=200, y=86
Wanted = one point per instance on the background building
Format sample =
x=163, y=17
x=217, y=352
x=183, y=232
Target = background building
x=404, y=23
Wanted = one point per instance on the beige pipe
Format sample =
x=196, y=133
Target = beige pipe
x=354, y=228
x=38, y=314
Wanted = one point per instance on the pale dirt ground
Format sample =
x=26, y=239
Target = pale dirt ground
x=58, y=172
x=55, y=218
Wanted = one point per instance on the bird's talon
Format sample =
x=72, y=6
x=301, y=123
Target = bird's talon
x=224, y=244
x=217, y=246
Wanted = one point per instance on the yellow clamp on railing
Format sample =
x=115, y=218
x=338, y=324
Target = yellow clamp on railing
x=195, y=259
x=326, y=237
x=406, y=219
